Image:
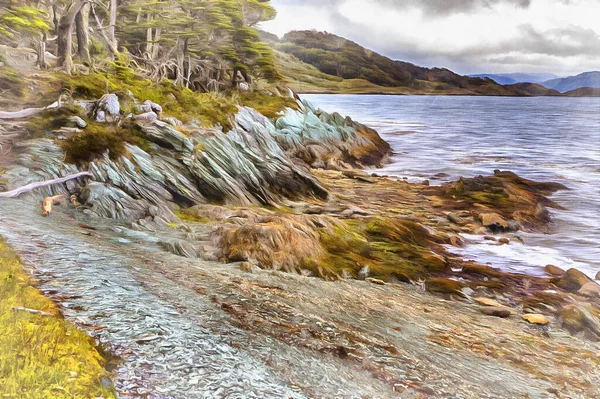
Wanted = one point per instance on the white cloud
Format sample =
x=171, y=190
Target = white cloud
x=472, y=36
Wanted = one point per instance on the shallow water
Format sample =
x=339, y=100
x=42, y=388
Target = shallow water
x=540, y=138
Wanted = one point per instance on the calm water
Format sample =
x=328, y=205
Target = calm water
x=543, y=138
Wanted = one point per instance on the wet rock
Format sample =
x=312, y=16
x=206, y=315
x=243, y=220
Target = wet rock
x=590, y=289
x=582, y=319
x=598, y=276
x=504, y=241
x=496, y=311
x=573, y=280
x=487, y=302
x=489, y=238
x=538, y=319
x=554, y=270
x=493, y=221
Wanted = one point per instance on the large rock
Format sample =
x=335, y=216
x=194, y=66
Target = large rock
x=538, y=319
x=590, y=289
x=493, y=221
x=554, y=270
x=331, y=141
x=573, y=280
x=109, y=107
x=582, y=319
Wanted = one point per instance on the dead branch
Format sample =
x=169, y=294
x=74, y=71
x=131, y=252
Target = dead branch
x=34, y=311
x=24, y=113
x=33, y=186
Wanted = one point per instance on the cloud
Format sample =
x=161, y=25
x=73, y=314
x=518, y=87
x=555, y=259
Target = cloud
x=468, y=36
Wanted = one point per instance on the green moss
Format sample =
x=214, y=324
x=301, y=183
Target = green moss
x=393, y=249
x=11, y=81
x=185, y=217
x=43, y=124
x=39, y=354
x=268, y=105
x=444, y=286
x=98, y=138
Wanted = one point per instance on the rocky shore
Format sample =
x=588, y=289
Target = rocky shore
x=295, y=256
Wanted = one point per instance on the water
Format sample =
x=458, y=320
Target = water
x=541, y=138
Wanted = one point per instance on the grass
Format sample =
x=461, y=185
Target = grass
x=42, y=357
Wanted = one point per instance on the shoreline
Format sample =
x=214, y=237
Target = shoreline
x=383, y=93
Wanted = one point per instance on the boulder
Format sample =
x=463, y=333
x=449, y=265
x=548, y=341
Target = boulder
x=573, y=280
x=504, y=241
x=496, y=311
x=554, y=270
x=146, y=116
x=598, y=276
x=590, y=289
x=149, y=106
x=582, y=319
x=538, y=319
x=110, y=106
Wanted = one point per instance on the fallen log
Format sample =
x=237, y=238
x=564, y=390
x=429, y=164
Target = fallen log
x=24, y=113
x=33, y=186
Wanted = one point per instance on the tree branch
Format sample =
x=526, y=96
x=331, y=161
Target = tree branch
x=33, y=186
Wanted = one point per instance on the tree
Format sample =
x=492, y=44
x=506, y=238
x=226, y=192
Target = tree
x=65, y=33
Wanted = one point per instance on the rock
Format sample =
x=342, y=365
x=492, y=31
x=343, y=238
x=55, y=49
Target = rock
x=590, y=289
x=149, y=106
x=504, y=241
x=76, y=121
x=455, y=219
x=496, y=311
x=375, y=281
x=573, y=280
x=554, y=270
x=598, y=276
x=468, y=291
x=426, y=182
x=487, y=302
x=354, y=174
x=489, y=238
x=100, y=116
x=494, y=221
x=146, y=116
x=582, y=318
x=354, y=211
x=248, y=267
x=109, y=105
x=363, y=273
x=538, y=319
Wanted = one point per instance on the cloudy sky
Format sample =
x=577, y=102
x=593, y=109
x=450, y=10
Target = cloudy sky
x=467, y=36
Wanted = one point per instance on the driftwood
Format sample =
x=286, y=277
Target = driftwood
x=33, y=186
x=49, y=201
x=24, y=113
x=33, y=311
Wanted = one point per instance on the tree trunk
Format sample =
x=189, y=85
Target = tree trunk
x=111, y=27
x=149, y=38
x=41, y=52
x=180, y=80
x=65, y=34
x=82, y=24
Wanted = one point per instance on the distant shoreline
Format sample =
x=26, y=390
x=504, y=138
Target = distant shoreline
x=383, y=93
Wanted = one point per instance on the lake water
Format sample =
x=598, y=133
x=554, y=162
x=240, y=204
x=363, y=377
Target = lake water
x=539, y=138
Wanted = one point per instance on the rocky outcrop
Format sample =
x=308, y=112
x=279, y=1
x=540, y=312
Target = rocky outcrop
x=329, y=141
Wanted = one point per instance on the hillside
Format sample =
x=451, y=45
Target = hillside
x=313, y=61
x=587, y=79
x=512, y=78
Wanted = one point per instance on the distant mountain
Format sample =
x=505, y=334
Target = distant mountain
x=512, y=78
x=583, y=92
x=586, y=79
x=314, y=61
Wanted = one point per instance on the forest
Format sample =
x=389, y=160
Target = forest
x=203, y=45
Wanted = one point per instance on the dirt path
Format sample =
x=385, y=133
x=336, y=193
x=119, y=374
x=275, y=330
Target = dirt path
x=191, y=328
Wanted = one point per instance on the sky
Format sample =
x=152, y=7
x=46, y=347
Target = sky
x=466, y=36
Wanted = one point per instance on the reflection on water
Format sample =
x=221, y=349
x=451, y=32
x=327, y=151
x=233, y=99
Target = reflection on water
x=542, y=138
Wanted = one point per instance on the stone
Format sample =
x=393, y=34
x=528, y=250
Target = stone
x=109, y=103
x=100, y=116
x=489, y=238
x=146, y=116
x=590, y=289
x=582, y=318
x=496, y=311
x=554, y=270
x=493, y=221
x=375, y=281
x=573, y=280
x=149, y=106
x=598, y=276
x=455, y=219
x=363, y=273
x=538, y=319
x=504, y=241
x=468, y=291
x=487, y=302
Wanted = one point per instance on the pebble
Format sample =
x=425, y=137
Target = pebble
x=496, y=311
x=487, y=302
x=538, y=319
